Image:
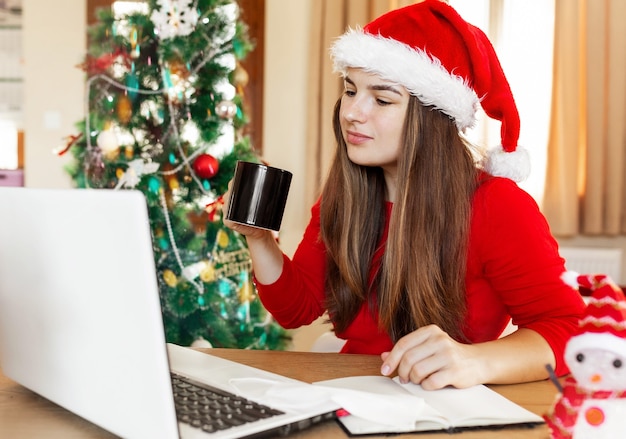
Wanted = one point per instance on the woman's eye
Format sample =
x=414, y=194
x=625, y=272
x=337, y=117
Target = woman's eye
x=350, y=92
x=382, y=102
x=617, y=363
x=580, y=358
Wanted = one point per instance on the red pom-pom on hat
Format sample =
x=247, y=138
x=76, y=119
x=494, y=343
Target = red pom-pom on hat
x=446, y=63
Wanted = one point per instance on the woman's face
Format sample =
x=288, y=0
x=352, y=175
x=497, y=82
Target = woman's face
x=372, y=117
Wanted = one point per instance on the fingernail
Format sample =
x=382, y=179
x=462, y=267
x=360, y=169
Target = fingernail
x=385, y=370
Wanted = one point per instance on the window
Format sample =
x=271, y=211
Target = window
x=522, y=34
x=10, y=81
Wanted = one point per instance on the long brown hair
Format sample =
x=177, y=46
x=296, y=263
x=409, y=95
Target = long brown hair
x=421, y=278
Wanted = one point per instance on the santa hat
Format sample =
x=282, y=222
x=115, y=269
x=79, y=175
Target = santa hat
x=446, y=63
x=603, y=326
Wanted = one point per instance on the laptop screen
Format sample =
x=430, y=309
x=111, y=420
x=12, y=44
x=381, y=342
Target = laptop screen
x=80, y=316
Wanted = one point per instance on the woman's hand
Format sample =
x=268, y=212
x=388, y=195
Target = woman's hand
x=249, y=232
x=267, y=258
x=431, y=358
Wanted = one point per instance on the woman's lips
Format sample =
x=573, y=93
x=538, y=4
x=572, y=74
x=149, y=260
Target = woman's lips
x=356, y=138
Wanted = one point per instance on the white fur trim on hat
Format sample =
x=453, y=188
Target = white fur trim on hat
x=594, y=340
x=422, y=75
x=514, y=165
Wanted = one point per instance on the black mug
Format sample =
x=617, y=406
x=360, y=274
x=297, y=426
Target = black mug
x=258, y=195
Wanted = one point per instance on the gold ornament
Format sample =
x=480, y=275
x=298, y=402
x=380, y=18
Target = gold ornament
x=246, y=292
x=124, y=109
x=208, y=272
x=222, y=238
x=134, y=42
x=178, y=68
x=241, y=77
x=170, y=278
x=173, y=183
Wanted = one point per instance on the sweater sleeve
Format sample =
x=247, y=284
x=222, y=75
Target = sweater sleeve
x=520, y=259
x=297, y=296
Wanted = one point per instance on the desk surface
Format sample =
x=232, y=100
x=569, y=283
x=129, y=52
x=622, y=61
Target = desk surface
x=26, y=415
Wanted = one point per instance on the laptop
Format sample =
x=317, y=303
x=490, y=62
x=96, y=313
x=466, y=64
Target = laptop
x=81, y=323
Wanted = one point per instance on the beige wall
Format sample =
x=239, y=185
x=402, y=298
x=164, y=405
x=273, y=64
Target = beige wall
x=54, y=43
x=284, y=130
x=285, y=104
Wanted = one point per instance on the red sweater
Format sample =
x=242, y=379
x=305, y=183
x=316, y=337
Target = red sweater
x=513, y=271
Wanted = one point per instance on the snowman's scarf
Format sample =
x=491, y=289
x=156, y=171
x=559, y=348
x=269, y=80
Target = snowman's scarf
x=563, y=418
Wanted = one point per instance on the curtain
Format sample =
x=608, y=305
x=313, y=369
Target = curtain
x=585, y=182
x=329, y=20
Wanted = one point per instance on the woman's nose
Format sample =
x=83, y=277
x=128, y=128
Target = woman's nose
x=354, y=112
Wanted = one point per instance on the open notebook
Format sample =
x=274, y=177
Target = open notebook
x=386, y=406
x=81, y=324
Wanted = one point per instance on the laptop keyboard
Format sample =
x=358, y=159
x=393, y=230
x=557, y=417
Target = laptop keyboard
x=212, y=409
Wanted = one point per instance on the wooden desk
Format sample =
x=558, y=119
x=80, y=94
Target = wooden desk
x=25, y=415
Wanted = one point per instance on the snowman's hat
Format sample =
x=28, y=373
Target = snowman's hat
x=603, y=326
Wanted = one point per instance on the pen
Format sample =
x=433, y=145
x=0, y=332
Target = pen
x=554, y=379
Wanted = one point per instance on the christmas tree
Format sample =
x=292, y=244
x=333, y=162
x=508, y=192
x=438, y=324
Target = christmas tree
x=164, y=115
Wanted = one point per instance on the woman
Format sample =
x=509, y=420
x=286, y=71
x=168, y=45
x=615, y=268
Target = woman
x=417, y=251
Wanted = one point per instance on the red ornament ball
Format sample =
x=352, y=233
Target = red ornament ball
x=206, y=166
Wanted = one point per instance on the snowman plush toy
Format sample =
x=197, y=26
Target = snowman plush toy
x=592, y=403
